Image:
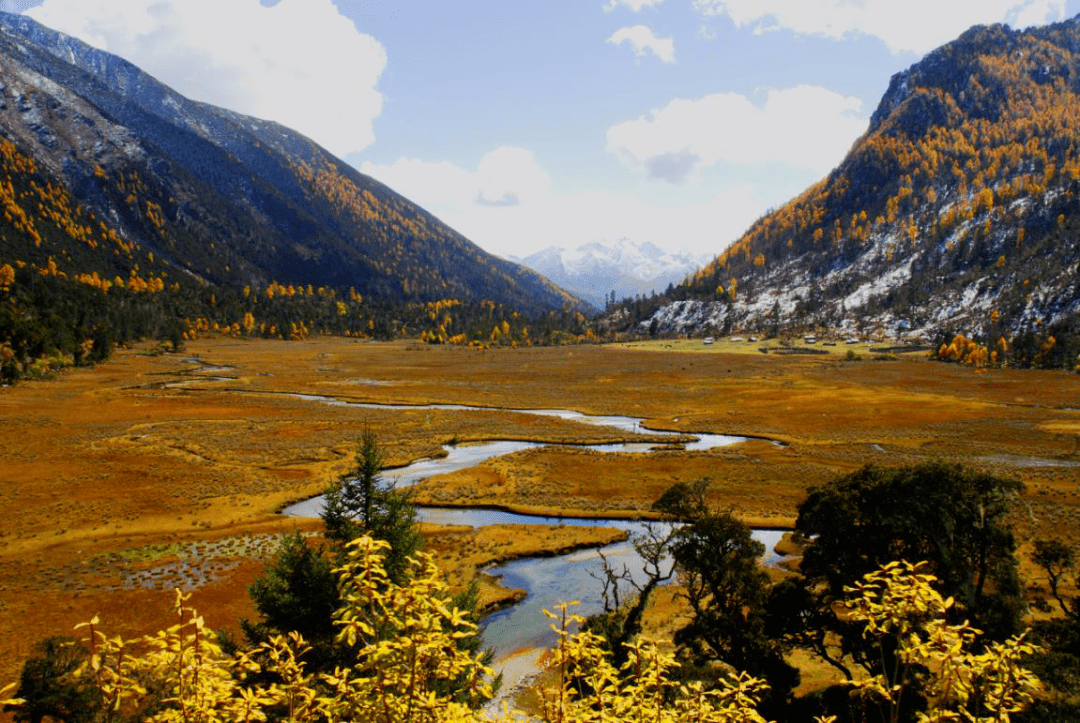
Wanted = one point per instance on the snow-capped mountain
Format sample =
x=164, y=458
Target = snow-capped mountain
x=596, y=269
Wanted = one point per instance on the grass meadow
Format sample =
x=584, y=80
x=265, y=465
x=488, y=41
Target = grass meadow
x=153, y=470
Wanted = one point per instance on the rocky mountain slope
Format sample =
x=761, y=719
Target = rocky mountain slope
x=109, y=172
x=625, y=268
x=957, y=211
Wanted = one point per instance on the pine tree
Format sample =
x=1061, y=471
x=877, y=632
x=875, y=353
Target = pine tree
x=361, y=503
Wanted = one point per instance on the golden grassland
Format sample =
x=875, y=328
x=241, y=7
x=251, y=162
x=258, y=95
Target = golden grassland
x=152, y=470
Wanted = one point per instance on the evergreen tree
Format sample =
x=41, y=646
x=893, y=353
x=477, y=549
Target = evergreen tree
x=362, y=503
x=298, y=591
x=47, y=688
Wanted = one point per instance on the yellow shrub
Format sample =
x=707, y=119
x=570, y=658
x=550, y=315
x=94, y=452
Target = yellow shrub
x=902, y=609
x=408, y=666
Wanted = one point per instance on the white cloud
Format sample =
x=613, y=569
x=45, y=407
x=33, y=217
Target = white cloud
x=804, y=126
x=505, y=177
x=429, y=184
x=541, y=218
x=508, y=177
x=642, y=40
x=299, y=62
x=1039, y=12
x=916, y=25
x=635, y=5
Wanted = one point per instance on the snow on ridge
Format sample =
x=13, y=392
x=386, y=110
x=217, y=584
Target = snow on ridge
x=682, y=317
x=626, y=267
x=879, y=286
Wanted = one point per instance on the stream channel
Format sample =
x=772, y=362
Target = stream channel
x=521, y=630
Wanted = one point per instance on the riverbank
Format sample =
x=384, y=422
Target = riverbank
x=761, y=522
x=462, y=552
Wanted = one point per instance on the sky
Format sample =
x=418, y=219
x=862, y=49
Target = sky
x=532, y=123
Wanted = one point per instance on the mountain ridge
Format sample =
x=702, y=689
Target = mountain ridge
x=131, y=212
x=956, y=212
x=314, y=223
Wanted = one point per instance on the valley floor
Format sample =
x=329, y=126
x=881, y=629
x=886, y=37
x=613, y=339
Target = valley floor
x=148, y=471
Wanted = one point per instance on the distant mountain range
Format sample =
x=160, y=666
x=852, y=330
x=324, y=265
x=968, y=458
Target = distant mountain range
x=957, y=211
x=110, y=172
x=597, y=270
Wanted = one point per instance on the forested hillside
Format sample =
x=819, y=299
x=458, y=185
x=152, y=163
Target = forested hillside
x=131, y=211
x=957, y=211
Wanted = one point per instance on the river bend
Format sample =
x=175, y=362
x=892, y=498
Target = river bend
x=547, y=580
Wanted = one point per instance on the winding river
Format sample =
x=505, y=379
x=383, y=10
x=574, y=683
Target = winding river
x=518, y=632
x=551, y=580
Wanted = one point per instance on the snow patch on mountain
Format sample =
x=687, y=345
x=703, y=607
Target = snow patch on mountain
x=686, y=317
x=629, y=268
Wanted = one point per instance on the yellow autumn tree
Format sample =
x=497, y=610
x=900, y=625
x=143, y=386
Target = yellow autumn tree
x=907, y=617
x=407, y=667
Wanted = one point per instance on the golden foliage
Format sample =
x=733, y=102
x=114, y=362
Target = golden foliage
x=407, y=668
x=38, y=206
x=904, y=612
x=644, y=689
x=971, y=353
x=183, y=674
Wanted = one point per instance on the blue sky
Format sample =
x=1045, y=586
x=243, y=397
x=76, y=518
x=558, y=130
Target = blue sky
x=527, y=123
